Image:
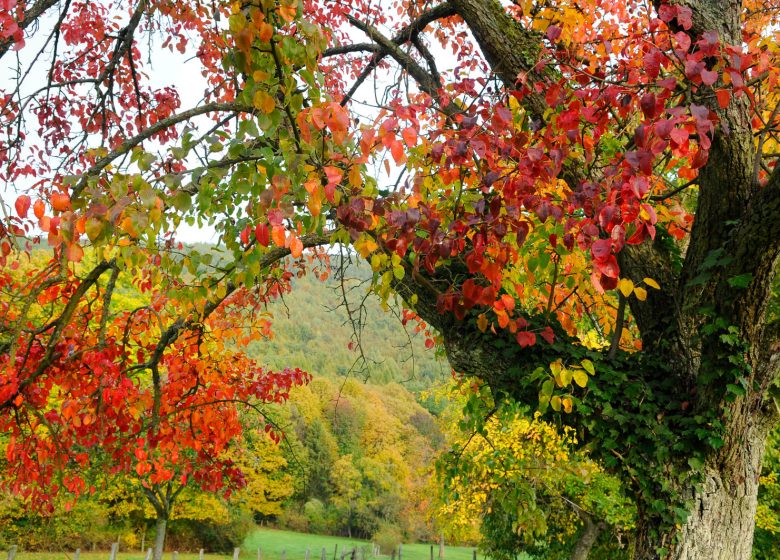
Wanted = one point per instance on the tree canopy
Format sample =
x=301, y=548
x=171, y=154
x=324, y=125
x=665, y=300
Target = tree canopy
x=580, y=197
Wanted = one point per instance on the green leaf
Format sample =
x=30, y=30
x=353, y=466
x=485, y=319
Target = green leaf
x=588, y=365
x=741, y=281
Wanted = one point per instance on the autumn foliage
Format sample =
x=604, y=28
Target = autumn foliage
x=582, y=179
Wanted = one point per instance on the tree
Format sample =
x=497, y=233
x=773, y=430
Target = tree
x=581, y=170
x=530, y=489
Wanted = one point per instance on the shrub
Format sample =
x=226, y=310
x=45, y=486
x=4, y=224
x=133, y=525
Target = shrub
x=388, y=537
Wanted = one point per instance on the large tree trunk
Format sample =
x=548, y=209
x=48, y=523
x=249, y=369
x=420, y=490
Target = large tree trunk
x=722, y=514
x=159, y=539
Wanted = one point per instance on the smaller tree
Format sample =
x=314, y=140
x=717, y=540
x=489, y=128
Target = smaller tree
x=520, y=480
x=114, y=392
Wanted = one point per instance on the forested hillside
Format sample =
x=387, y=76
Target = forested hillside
x=313, y=330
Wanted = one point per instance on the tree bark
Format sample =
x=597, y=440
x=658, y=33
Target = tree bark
x=159, y=539
x=590, y=534
x=722, y=514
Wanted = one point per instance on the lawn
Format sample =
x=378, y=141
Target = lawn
x=272, y=543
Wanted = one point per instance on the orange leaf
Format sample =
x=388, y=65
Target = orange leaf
x=60, y=201
x=410, y=136
x=278, y=235
x=296, y=247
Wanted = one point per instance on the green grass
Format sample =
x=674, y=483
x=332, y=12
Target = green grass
x=68, y=555
x=273, y=542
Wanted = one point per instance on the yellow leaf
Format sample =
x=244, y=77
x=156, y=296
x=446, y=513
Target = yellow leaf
x=567, y=404
x=580, y=377
x=264, y=102
x=652, y=283
x=588, y=365
x=640, y=293
x=365, y=246
x=482, y=322
x=555, y=403
x=625, y=286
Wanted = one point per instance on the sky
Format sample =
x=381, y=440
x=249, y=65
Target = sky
x=167, y=68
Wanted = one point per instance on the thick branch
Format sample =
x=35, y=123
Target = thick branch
x=30, y=16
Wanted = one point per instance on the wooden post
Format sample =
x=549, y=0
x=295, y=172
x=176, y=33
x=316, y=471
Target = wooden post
x=400, y=550
x=114, y=550
x=12, y=552
x=149, y=553
x=308, y=552
x=335, y=551
x=77, y=554
x=441, y=547
x=200, y=554
x=354, y=552
x=284, y=554
x=175, y=555
x=392, y=556
x=236, y=552
x=475, y=554
x=259, y=553
x=431, y=552
x=323, y=553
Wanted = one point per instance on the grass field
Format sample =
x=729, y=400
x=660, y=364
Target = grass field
x=272, y=543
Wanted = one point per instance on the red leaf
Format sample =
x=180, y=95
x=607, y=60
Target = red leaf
x=22, y=205
x=608, y=267
x=548, y=335
x=526, y=338
x=601, y=249
x=709, y=77
x=724, y=96
x=262, y=234
x=607, y=282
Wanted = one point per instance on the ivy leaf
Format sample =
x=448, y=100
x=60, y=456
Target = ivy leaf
x=741, y=281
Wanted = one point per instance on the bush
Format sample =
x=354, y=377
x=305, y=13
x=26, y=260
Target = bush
x=387, y=537
x=294, y=520
x=188, y=534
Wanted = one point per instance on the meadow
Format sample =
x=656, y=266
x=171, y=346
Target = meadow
x=273, y=542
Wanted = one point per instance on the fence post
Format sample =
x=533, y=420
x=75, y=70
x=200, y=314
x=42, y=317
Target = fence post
x=431, y=552
x=236, y=552
x=400, y=550
x=441, y=547
x=77, y=554
x=308, y=551
x=284, y=554
x=149, y=553
x=114, y=550
x=175, y=555
x=354, y=551
x=12, y=552
x=475, y=554
x=259, y=553
x=323, y=553
x=392, y=556
x=200, y=554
